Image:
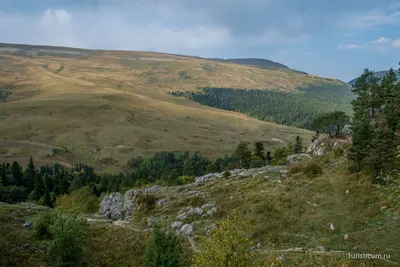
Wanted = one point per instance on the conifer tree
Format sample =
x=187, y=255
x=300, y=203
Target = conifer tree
x=382, y=155
x=30, y=174
x=243, y=153
x=259, y=150
x=39, y=187
x=16, y=171
x=298, y=147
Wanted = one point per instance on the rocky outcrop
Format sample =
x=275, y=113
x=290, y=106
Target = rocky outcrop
x=112, y=206
x=186, y=230
x=297, y=158
x=118, y=207
x=324, y=146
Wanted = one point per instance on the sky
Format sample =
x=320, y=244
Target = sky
x=336, y=39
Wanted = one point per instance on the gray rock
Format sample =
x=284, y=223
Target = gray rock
x=212, y=211
x=176, y=225
x=26, y=246
x=182, y=216
x=161, y=202
x=320, y=249
x=187, y=230
x=208, y=206
x=259, y=245
x=347, y=130
x=129, y=201
x=112, y=206
x=28, y=225
x=297, y=158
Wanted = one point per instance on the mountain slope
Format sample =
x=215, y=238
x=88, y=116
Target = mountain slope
x=104, y=107
x=378, y=74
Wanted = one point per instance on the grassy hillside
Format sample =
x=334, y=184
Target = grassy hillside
x=290, y=216
x=92, y=105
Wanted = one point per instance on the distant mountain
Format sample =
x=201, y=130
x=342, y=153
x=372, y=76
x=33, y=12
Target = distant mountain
x=378, y=74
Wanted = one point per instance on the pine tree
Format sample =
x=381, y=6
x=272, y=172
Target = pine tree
x=362, y=138
x=39, y=187
x=30, y=174
x=259, y=150
x=48, y=182
x=382, y=156
x=298, y=147
x=16, y=171
x=243, y=153
x=163, y=250
x=47, y=199
x=268, y=157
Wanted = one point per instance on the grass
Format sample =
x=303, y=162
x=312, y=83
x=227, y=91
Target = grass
x=125, y=113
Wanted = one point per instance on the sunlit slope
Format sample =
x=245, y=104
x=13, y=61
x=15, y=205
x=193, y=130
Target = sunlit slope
x=111, y=106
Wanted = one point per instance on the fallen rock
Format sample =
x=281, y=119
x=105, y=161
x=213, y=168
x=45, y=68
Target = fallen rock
x=176, y=225
x=297, y=158
x=28, y=225
x=186, y=230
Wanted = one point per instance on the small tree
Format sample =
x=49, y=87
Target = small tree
x=69, y=241
x=259, y=150
x=39, y=187
x=268, y=157
x=243, y=153
x=298, y=146
x=227, y=246
x=164, y=249
x=331, y=123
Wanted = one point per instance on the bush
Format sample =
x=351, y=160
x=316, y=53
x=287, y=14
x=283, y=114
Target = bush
x=337, y=152
x=310, y=169
x=69, y=243
x=43, y=225
x=13, y=193
x=228, y=246
x=80, y=201
x=226, y=174
x=146, y=203
x=185, y=179
x=256, y=162
x=163, y=250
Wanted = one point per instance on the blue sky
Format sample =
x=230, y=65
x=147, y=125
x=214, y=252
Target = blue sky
x=329, y=38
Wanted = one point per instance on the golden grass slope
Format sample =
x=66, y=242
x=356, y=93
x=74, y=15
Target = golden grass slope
x=114, y=105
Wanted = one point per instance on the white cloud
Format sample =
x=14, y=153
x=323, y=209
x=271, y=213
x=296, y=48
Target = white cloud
x=381, y=41
x=396, y=43
x=350, y=46
x=371, y=19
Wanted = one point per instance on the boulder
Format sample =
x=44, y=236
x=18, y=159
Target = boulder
x=212, y=211
x=176, y=225
x=28, y=225
x=186, y=230
x=208, y=206
x=161, y=202
x=112, y=206
x=297, y=158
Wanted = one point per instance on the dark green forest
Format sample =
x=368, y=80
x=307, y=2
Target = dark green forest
x=289, y=108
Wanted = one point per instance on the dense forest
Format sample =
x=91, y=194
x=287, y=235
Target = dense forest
x=289, y=108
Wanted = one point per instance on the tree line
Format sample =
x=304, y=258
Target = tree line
x=43, y=185
x=289, y=108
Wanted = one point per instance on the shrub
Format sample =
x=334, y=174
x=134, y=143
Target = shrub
x=146, y=203
x=69, y=243
x=163, y=250
x=228, y=246
x=80, y=201
x=43, y=225
x=337, y=152
x=310, y=169
x=226, y=174
x=13, y=193
x=185, y=179
x=256, y=162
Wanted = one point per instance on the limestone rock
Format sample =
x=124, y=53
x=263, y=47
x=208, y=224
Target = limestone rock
x=112, y=206
x=176, y=225
x=297, y=158
x=28, y=225
x=187, y=230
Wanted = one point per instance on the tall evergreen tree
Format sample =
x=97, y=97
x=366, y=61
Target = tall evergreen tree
x=382, y=156
x=30, y=174
x=39, y=187
x=243, y=153
x=259, y=150
x=298, y=146
x=16, y=172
